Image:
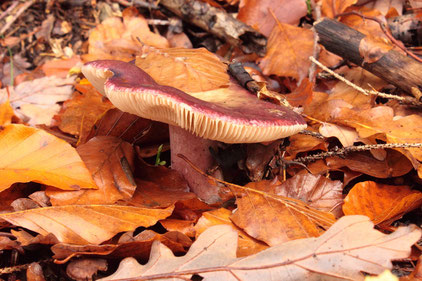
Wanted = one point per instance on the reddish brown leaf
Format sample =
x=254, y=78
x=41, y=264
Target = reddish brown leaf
x=380, y=202
x=284, y=57
x=84, y=269
x=331, y=8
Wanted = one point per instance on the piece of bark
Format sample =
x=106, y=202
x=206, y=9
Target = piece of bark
x=219, y=23
x=402, y=71
x=407, y=28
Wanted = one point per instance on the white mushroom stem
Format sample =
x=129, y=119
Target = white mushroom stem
x=196, y=149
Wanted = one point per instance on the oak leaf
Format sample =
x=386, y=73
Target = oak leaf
x=351, y=246
x=30, y=154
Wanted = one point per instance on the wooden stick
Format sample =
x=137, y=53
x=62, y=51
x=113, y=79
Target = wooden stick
x=393, y=67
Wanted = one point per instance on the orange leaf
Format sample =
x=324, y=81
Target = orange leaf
x=110, y=161
x=80, y=113
x=84, y=224
x=380, y=202
x=6, y=113
x=30, y=154
x=189, y=70
x=330, y=8
x=289, y=49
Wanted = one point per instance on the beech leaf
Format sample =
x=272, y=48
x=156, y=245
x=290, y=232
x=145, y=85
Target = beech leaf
x=30, y=154
x=351, y=246
x=84, y=224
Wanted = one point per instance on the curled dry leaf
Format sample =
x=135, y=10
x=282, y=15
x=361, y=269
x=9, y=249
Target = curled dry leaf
x=85, y=224
x=380, y=202
x=347, y=136
x=30, y=154
x=6, y=113
x=110, y=161
x=189, y=70
x=373, y=48
x=351, y=246
x=284, y=57
x=138, y=246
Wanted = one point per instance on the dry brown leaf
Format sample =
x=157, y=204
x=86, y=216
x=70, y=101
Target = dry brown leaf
x=84, y=269
x=79, y=114
x=316, y=191
x=380, y=202
x=30, y=154
x=259, y=13
x=111, y=162
x=330, y=8
x=246, y=245
x=85, y=224
x=348, y=248
x=189, y=70
x=347, y=136
x=289, y=48
x=380, y=123
x=34, y=272
x=275, y=219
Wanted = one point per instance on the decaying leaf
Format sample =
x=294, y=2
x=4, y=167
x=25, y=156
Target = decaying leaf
x=189, y=70
x=348, y=248
x=380, y=202
x=29, y=154
x=85, y=224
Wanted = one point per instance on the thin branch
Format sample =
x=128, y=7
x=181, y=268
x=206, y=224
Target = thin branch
x=403, y=100
x=22, y=9
x=342, y=152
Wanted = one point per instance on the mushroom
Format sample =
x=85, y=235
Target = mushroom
x=196, y=120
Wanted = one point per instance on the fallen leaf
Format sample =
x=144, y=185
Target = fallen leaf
x=122, y=40
x=60, y=68
x=347, y=136
x=36, y=101
x=246, y=245
x=30, y=154
x=138, y=246
x=84, y=269
x=6, y=113
x=315, y=190
x=85, y=224
x=189, y=70
x=34, y=272
x=275, y=219
x=331, y=8
x=348, y=248
x=382, y=203
x=80, y=113
x=111, y=162
x=373, y=48
x=259, y=14
x=284, y=57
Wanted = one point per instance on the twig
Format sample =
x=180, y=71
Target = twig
x=404, y=100
x=384, y=29
x=316, y=48
x=342, y=152
x=22, y=9
x=5, y=13
x=313, y=134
